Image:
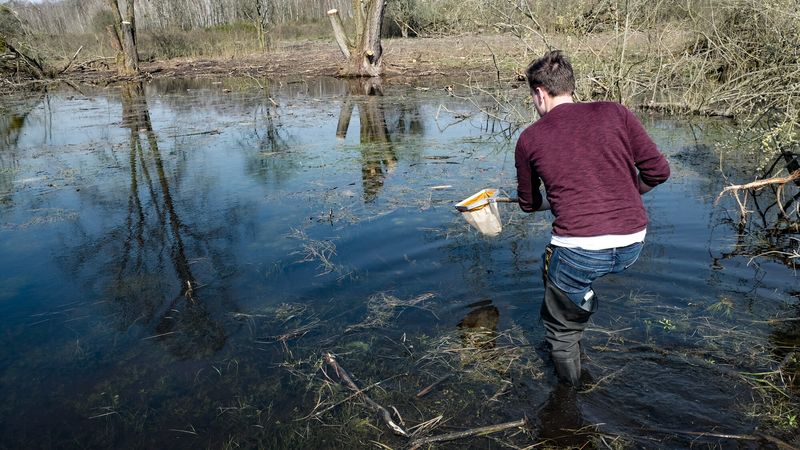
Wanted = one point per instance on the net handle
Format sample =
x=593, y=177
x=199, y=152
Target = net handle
x=505, y=200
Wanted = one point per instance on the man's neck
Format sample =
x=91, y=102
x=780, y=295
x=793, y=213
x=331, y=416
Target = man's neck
x=552, y=102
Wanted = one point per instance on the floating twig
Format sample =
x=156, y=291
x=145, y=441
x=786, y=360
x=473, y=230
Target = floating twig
x=196, y=133
x=156, y=336
x=103, y=415
x=423, y=427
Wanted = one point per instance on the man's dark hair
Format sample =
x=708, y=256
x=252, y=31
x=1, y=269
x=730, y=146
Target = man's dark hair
x=553, y=72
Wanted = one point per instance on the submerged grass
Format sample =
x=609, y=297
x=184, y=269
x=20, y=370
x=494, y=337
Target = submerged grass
x=481, y=371
x=483, y=356
x=51, y=217
x=383, y=309
x=486, y=376
x=471, y=376
x=719, y=337
x=322, y=251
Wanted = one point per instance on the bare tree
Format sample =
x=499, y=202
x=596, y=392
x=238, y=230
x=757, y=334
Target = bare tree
x=363, y=53
x=124, y=37
x=264, y=18
x=402, y=13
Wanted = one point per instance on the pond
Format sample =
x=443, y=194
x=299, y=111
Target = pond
x=179, y=256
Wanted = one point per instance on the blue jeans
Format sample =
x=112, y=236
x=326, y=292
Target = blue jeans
x=572, y=270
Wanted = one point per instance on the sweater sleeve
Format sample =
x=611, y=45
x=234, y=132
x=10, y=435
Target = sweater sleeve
x=530, y=199
x=653, y=167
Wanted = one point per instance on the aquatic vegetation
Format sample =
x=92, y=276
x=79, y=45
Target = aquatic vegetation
x=383, y=308
x=322, y=251
x=724, y=305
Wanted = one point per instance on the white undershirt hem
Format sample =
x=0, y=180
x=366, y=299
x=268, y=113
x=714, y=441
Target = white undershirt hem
x=602, y=242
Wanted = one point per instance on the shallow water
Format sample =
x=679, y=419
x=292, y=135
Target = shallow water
x=178, y=255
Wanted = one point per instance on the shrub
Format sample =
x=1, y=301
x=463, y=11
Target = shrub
x=101, y=20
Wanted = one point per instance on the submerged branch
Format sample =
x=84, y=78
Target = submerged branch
x=430, y=387
x=355, y=394
x=71, y=60
x=758, y=184
x=739, y=437
x=480, y=431
x=345, y=379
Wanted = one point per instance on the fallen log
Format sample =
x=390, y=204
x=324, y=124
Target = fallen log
x=31, y=62
x=672, y=108
x=345, y=379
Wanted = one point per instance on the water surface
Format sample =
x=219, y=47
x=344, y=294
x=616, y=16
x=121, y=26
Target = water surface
x=177, y=256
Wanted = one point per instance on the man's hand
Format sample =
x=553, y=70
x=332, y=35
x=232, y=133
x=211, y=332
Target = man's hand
x=644, y=187
x=545, y=206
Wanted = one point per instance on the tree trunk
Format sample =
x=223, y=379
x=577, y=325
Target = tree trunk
x=125, y=34
x=339, y=34
x=264, y=17
x=364, y=53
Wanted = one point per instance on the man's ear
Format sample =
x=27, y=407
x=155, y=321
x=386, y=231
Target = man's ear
x=538, y=92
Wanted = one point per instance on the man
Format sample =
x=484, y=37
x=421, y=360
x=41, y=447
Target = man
x=595, y=160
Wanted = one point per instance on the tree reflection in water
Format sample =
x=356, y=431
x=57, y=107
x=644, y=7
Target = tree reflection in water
x=267, y=147
x=154, y=240
x=11, y=125
x=378, y=157
x=10, y=128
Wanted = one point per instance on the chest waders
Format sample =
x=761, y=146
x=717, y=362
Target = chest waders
x=564, y=322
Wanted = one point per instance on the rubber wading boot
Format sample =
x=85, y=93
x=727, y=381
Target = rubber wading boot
x=569, y=370
x=564, y=322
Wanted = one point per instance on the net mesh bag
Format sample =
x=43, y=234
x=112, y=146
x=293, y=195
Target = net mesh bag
x=481, y=211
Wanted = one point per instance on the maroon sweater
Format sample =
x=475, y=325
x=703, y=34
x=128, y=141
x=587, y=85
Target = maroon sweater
x=589, y=157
